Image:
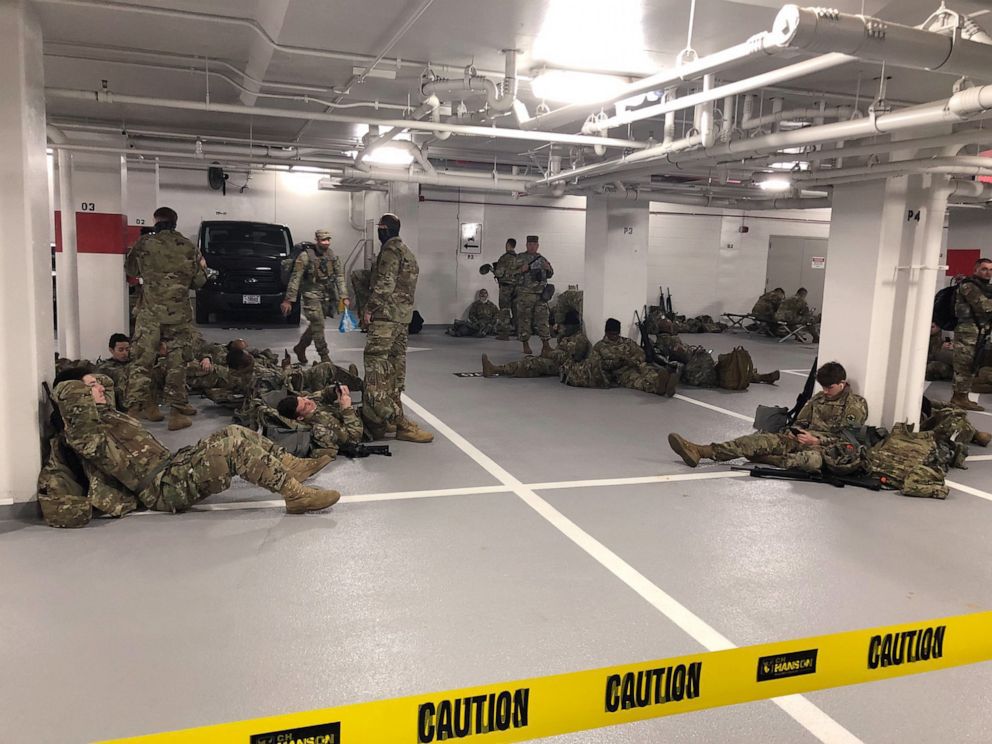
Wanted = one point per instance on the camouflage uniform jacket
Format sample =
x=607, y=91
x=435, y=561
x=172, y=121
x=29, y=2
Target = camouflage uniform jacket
x=527, y=263
x=793, y=310
x=168, y=265
x=332, y=426
x=109, y=441
x=506, y=270
x=318, y=276
x=483, y=315
x=394, y=283
x=973, y=301
x=767, y=304
x=573, y=346
x=617, y=355
x=116, y=371
x=826, y=419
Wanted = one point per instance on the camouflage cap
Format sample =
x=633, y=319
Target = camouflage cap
x=322, y=235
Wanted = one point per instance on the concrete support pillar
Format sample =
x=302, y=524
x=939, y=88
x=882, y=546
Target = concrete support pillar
x=67, y=266
x=26, y=322
x=616, y=265
x=885, y=244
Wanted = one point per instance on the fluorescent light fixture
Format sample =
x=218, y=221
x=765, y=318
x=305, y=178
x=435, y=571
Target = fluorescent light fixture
x=374, y=73
x=388, y=155
x=567, y=86
x=775, y=184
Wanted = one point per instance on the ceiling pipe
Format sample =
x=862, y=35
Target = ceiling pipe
x=961, y=165
x=706, y=130
x=816, y=30
x=462, y=129
x=947, y=21
x=478, y=182
x=837, y=112
x=728, y=120
x=782, y=74
x=963, y=106
x=964, y=138
x=473, y=83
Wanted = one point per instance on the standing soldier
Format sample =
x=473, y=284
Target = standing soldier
x=505, y=271
x=319, y=276
x=168, y=265
x=387, y=315
x=533, y=271
x=973, y=308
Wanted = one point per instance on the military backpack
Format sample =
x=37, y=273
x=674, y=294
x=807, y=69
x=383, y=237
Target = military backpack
x=62, y=487
x=700, y=370
x=909, y=461
x=735, y=369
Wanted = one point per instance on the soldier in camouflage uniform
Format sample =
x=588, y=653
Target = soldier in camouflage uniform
x=573, y=346
x=141, y=469
x=623, y=361
x=794, y=312
x=318, y=275
x=507, y=278
x=331, y=425
x=819, y=425
x=482, y=316
x=533, y=315
x=117, y=367
x=766, y=306
x=973, y=308
x=940, y=355
x=168, y=265
x=388, y=313
x=570, y=299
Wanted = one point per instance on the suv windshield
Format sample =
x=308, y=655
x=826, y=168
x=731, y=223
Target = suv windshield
x=245, y=240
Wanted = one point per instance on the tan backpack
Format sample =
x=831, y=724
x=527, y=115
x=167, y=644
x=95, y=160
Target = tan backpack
x=735, y=369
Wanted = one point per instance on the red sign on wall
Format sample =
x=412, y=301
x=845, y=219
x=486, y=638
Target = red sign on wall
x=96, y=232
x=962, y=260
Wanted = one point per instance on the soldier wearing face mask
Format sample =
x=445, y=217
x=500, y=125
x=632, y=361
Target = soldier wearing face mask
x=387, y=315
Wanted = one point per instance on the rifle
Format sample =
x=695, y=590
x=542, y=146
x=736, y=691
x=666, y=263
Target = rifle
x=649, y=353
x=668, y=302
x=983, y=341
x=833, y=479
x=364, y=450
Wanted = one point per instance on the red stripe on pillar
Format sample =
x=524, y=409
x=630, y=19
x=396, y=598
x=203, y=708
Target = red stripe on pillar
x=962, y=261
x=97, y=232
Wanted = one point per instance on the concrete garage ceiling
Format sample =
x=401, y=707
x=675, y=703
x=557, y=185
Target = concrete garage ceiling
x=367, y=58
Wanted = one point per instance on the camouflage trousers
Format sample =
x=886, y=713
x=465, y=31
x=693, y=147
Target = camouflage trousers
x=770, y=449
x=585, y=373
x=939, y=371
x=206, y=468
x=533, y=316
x=530, y=366
x=385, y=374
x=644, y=377
x=319, y=376
x=464, y=328
x=505, y=325
x=148, y=333
x=315, y=311
x=965, y=341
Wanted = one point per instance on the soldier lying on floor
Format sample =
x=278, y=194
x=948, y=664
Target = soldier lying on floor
x=124, y=465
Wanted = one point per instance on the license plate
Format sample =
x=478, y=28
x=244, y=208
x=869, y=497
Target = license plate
x=251, y=299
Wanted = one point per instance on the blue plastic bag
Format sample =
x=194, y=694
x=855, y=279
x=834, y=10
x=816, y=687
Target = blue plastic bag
x=348, y=321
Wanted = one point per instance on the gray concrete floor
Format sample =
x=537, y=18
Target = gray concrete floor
x=158, y=622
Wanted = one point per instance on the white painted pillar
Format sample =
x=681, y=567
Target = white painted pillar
x=616, y=263
x=67, y=265
x=26, y=322
x=885, y=244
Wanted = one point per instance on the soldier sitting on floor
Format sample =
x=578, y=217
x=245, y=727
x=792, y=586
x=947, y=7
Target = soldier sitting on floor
x=820, y=423
x=482, y=318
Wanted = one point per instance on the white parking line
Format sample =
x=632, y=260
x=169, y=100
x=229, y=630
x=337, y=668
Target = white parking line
x=969, y=489
x=814, y=720
x=554, y=485
x=679, y=396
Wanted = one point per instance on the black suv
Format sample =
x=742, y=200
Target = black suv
x=248, y=257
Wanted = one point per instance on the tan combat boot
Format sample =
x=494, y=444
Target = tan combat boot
x=178, y=421
x=690, y=452
x=982, y=438
x=667, y=382
x=353, y=369
x=488, y=368
x=962, y=401
x=546, y=348
x=301, y=351
x=184, y=408
x=527, y=349
x=148, y=412
x=769, y=378
x=301, y=499
x=301, y=468
x=408, y=431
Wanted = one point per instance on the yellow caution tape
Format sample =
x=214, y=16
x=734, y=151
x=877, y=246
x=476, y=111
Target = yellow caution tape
x=563, y=703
